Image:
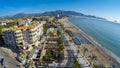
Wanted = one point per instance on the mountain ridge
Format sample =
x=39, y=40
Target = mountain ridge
x=55, y=13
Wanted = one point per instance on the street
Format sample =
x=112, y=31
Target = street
x=72, y=50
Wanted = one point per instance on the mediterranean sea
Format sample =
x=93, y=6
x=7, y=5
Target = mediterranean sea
x=106, y=33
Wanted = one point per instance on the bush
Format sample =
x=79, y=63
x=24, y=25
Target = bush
x=60, y=41
x=45, y=27
x=69, y=33
x=76, y=64
x=61, y=47
x=58, y=32
x=49, y=55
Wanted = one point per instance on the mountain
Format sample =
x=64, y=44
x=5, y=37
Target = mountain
x=22, y=14
x=54, y=13
x=63, y=13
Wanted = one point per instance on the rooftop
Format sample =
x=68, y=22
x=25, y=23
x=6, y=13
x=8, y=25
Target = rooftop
x=24, y=27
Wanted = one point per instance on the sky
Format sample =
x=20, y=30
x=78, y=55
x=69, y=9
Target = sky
x=109, y=9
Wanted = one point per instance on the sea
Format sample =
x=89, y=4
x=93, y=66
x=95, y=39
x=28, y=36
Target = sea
x=104, y=32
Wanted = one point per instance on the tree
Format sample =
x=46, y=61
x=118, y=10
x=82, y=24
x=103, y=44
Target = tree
x=45, y=27
x=60, y=41
x=0, y=30
x=76, y=64
x=58, y=32
x=85, y=50
x=61, y=47
x=48, y=54
x=93, y=59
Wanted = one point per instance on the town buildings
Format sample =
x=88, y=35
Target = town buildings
x=27, y=34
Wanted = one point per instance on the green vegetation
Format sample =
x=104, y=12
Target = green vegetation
x=58, y=32
x=76, y=64
x=69, y=33
x=49, y=55
x=1, y=30
x=45, y=27
x=60, y=41
x=52, y=26
x=61, y=45
x=93, y=59
x=11, y=24
x=7, y=26
x=85, y=50
x=1, y=40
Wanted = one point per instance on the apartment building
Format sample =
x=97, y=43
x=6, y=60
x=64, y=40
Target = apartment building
x=23, y=35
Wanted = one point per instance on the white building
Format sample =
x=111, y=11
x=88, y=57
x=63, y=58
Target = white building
x=24, y=35
x=2, y=24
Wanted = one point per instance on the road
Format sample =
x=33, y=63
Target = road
x=73, y=51
x=67, y=47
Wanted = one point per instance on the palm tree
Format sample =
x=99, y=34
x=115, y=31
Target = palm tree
x=93, y=59
x=85, y=50
x=77, y=53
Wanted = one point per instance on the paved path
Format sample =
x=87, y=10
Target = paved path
x=70, y=54
x=82, y=60
x=73, y=52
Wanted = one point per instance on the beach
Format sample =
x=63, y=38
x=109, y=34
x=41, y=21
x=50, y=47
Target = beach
x=108, y=55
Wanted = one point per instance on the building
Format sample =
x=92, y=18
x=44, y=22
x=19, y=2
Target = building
x=3, y=24
x=23, y=35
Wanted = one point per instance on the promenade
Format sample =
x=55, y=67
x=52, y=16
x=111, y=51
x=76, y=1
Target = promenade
x=88, y=40
x=73, y=51
x=79, y=56
x=69, y=55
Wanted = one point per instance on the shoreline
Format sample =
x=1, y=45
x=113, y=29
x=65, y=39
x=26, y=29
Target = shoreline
x=105, y=52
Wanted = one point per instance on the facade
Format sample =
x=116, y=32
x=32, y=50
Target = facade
x=23, y=35
x=9, y=37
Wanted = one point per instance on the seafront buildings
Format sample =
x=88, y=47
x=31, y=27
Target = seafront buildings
x=27, y=34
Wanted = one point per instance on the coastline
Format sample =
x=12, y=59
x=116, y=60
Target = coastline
x=106, y=53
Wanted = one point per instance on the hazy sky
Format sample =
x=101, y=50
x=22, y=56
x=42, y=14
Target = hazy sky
x=109, y=9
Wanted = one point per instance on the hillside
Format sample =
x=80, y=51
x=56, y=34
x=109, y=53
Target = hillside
x=55, y=13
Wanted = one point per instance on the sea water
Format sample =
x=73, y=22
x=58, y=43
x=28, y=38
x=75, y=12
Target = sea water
x=104, y=32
